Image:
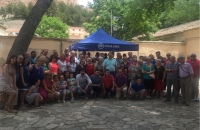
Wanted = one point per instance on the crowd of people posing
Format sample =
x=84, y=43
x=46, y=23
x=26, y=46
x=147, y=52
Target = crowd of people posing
x=28, y=79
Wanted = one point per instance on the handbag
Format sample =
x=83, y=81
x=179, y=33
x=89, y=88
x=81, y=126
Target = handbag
x=3, y=97
x=152, y=75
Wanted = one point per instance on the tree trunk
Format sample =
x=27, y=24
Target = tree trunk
x=27, y=31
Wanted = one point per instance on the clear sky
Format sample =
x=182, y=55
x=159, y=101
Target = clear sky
x=84, y=2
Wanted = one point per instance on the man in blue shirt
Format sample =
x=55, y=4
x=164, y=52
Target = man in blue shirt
x=96, y=84
x=137, y=88
x=110, y=63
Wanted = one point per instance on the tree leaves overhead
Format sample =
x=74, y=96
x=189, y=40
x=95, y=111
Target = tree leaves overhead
x=52, y=27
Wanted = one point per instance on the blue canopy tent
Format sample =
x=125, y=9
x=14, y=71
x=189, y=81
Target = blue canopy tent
x=101, y=41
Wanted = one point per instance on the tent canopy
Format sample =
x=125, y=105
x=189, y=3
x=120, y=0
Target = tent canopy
x=101, y=41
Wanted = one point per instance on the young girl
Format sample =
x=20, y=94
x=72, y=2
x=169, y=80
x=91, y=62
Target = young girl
x=72, y=88
x=62, y=88
x=33, y=94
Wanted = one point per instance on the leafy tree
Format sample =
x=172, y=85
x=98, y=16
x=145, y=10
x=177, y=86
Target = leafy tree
x=52, y=27
x=52, y=11
x=9, y=8
x=27, y=31
x=3, y=12
x=184, y=11
x=130, y=17
x=30, y=6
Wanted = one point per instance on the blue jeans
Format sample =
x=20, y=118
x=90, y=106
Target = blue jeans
x=79, y=91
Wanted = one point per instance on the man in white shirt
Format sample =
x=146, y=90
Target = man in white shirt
x=83, y=83
x=73, y=53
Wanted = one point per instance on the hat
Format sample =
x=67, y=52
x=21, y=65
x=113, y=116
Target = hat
x=181, y=56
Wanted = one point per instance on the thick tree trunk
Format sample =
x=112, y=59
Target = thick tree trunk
x=27, y=31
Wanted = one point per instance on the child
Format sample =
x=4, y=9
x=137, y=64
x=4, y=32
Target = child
x=72, y=88
x=62, y=88
x=33, y=94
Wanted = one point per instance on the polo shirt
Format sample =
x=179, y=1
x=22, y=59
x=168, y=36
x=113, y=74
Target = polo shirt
x=120, y=80
x=110, y=64
x=196, y=68
x=137, y=87
x=185, y=70
x=171, y=65
x=108, y=81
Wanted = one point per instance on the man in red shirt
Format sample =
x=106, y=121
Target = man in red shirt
x=195, y=63
x=108, y=84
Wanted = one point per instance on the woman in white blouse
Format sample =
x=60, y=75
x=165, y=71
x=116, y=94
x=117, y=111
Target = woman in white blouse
x=71, y=66
x=62, y=64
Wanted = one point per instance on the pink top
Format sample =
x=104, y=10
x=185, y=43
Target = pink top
x=54, y=68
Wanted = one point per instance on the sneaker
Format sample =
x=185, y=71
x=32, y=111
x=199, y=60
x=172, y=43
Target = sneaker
x=197, y=99
x=72, y=99
x=38, y=107
x=63, y=101
x=58, y=100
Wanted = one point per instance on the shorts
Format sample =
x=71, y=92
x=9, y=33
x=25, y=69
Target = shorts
x=64, y=91
x=195, y=82
x=72, y=88
x=133, y=92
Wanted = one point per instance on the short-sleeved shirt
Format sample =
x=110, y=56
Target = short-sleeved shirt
x=147, y=69
x=137, y=87
x=108, y=81
x=32, y=61
x=196, y=68
x=119, y=62
x=110, y=64
x=185, y=70
x=62, y=83
x=120, y=80
x=159, y=72
x=171, y=65
x=63, y=65
x=82, y=80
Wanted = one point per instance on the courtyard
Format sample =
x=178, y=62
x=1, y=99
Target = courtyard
x=105, y=114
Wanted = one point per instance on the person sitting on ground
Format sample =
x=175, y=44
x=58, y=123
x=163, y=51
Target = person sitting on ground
x=33, y=94
x=121, y=84
x=62, y=88
x=72, y=86
x=108, y=84
x=83, y=83
x=96, y=84
x=137, y=88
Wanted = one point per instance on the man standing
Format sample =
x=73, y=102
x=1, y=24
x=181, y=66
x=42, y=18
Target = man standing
x=55, y=52
x=195, y=63
x=158, y=56
x=130, y=56
x=108, y=84
x=96, y=84
x=110, y=64
x=32, y=58
x=67, y=55
x=119, y=59
x=73, y=53
x=186, y=75
x=121, y=84
x=83, y=83
x=168, y=58
x=172, y=78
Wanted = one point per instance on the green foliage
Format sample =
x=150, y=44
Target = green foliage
x=184, y=11
x=30, y=6
x=52, y=27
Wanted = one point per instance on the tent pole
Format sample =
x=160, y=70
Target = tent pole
x=138, y=54
x=77, y=53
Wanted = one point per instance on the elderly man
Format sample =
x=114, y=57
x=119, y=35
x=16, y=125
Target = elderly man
x=186, y=78
x=121, y=84
x=172, y=78
x=83, y=83
x=195, y=63
x=73, y=53
x=110, y=63
x=130, y=56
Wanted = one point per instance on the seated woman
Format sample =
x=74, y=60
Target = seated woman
x=33, y=94
x=46, y=90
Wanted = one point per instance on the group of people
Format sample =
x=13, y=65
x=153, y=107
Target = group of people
x=28, y=79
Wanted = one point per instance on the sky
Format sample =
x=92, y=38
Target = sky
x=84, y=2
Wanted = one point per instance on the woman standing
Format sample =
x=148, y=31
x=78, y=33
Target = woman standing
x=20, y=59
x=53, y=66
x=134, y=71
x=159, y=78
x=80, y=67
x=36, y=72
x=62, y=64
x=71, y=66
x=89, y=69
x=147, y=70
x=43, y=63
x=24, y=80
x=8, y=83
x=126, y=63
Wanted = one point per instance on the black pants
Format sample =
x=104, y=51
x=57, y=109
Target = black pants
x=97, y=90
x=109, y=90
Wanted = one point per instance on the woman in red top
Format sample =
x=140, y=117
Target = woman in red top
x=89, y=69
x=53, y=66
x=46, y=90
